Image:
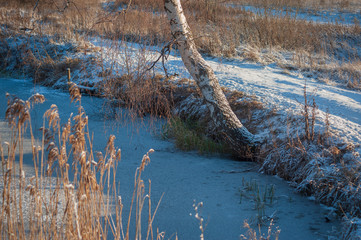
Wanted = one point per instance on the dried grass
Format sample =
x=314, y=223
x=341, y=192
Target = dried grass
x=218, y=30
x=142, y=96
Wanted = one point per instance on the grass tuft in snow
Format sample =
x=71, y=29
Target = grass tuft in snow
x=190, y=135
x=261, y=198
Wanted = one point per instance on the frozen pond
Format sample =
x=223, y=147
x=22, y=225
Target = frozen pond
x=224, y=186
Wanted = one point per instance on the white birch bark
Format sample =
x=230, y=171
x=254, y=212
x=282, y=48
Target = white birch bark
x=225, y=121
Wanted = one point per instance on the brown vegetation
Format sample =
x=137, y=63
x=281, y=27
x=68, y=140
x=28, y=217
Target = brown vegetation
x=218, y=28
x=72, y=192
x=221, y=30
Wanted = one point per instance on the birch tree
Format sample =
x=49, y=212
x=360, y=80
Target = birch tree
x=224, y=119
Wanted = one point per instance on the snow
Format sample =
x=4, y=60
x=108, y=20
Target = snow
x=287, y=92
x=318, y=16
x=272, y=87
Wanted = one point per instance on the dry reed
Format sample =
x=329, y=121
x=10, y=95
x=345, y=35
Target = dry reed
x=72, y=194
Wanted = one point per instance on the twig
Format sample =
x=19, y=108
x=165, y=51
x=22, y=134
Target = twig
x=164, y=54
x=64, y=8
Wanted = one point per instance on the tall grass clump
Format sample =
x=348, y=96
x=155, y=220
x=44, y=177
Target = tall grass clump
x=72, y=193
x=142, y=94
x=190, y=135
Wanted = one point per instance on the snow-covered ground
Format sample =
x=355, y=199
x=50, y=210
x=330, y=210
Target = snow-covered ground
x=272, y=86
x=286, y=92
x=319, y=16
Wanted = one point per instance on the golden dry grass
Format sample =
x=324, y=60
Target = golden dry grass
x=72, y=193
x=218, y=28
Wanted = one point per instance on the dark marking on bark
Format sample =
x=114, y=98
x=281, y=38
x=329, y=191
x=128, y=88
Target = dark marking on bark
x=191, y=60
x=173, y=22
x=202, y=69
x=176, y=34
x=167, y=10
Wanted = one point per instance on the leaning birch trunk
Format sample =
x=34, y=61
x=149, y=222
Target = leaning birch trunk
x=224, y=119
